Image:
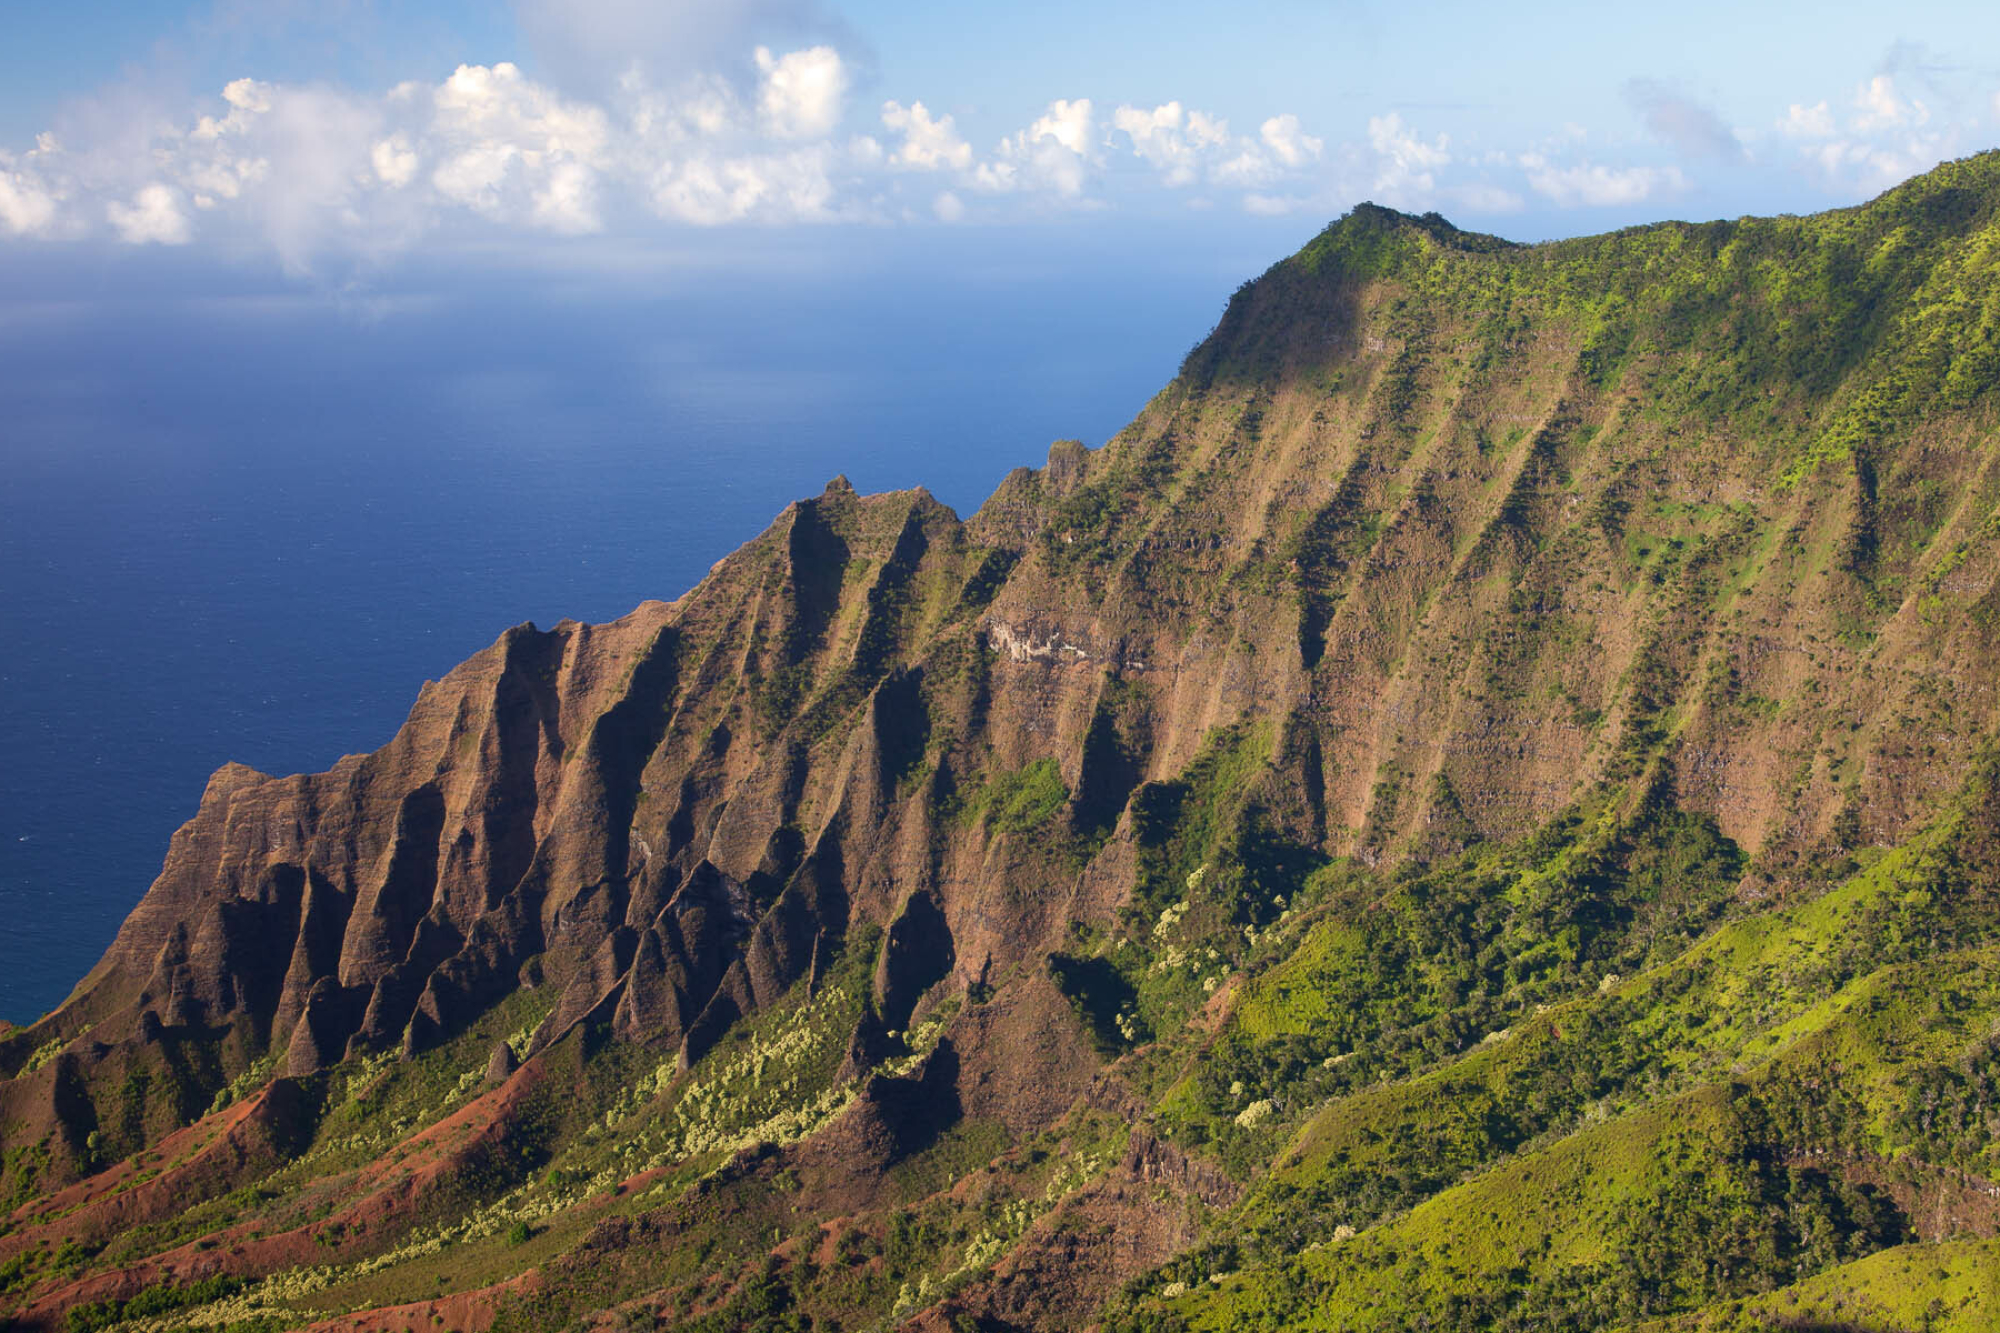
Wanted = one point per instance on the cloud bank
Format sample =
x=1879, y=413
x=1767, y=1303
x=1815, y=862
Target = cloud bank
x=756, y=132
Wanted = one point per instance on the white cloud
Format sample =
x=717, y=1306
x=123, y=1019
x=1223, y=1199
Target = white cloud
x=1067, y=123
x=1173, y=140
x=1594, y=186
x=1879, y=106
x=1055, y=153
x=1808, y=122
x=510, y=148
x=803, y=91
x=1190, y=147
x=928, y=144
x=710, y=191
x=1289, y=142
x=395, y=161
x=319, y=172
x=247, y=100
x=216, y=181
x=1406, y=163
x=28, y=204
x=214, y=166
x=1885, y=137
x=566, y=200
x=474, y=175
x=305, y=168
x=499, y=102
x=26, y=207
x=1247, y=168
x=153, y=217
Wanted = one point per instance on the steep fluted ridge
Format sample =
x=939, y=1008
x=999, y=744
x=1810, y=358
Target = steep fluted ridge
x=1440, y=534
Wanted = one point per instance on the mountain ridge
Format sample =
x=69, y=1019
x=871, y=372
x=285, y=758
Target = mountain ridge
x=1560, y=607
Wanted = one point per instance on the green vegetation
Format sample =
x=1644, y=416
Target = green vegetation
x=1736, y=1116
x=1734, y=320
x=154, y=1301
x=1024, y=801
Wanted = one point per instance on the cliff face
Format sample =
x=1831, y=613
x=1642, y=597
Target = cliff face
x=1435, y=543
x=625, y=813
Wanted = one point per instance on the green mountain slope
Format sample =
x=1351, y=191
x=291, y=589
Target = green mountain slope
x=1480, y=809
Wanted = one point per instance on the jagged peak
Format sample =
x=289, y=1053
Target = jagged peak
x=231, y=777
x=1371, y=240
x=1370, y=218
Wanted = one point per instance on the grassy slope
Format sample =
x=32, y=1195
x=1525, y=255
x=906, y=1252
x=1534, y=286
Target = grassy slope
x=1724, y=1098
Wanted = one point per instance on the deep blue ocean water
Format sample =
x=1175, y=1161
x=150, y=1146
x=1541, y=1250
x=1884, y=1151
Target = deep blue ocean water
x=244, y=518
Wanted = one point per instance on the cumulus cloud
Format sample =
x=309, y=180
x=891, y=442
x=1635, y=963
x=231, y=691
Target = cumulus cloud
x=26, y=207
x=153, y=217
x=1406, y=164
x=1681, y=121
x=1187, y=147
x=566, y=200
x=28, y=204
x=318, y=170
x=712, y=190
x=507, y=147
x=1595, y=186
x=1066, y=124
x=1884, y=134
x=1056, y=153
x=1288, y=142
x=803, y=91
x=929, y=144
x=1175, y=141
x=395, y=161
x=765, y=138
x=1879, y=105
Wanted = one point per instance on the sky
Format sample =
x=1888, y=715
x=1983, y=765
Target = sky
x=340, y=142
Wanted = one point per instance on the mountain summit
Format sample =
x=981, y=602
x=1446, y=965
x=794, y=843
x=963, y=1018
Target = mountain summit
x=1479, y=809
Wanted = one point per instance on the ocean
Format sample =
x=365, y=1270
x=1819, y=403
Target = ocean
x=244, y=516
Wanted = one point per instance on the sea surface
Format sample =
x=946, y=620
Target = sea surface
x=243, y=516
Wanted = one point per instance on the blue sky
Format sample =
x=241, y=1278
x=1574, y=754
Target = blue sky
x=341, y=140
